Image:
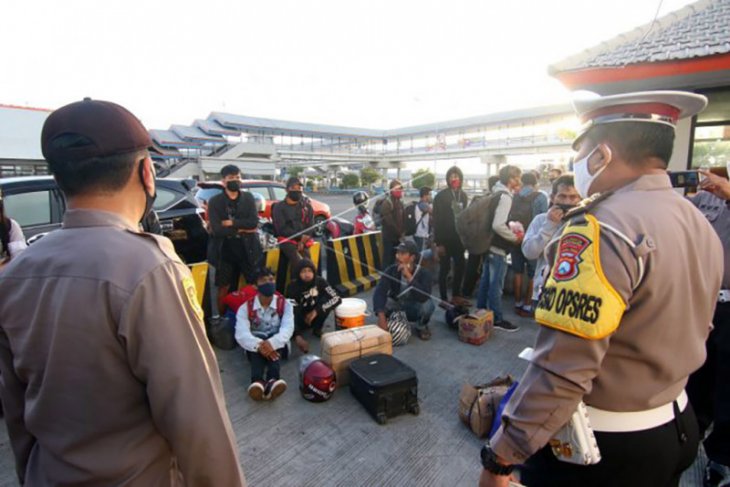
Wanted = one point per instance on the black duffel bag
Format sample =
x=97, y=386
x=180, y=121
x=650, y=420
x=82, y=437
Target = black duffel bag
x=222, y=333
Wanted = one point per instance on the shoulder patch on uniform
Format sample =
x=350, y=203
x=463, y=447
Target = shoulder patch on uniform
x=577, y=298
x=587, y=205
x=192, y=294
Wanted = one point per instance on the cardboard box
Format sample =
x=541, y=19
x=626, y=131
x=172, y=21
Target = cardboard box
x=339, y=348
x=476, y=328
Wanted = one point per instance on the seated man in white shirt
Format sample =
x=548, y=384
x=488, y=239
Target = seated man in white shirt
x=264, y=326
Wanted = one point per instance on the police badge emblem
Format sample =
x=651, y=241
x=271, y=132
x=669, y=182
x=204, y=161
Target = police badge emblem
x=569, y=253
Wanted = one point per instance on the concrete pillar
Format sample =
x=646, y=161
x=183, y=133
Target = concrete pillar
x=680, y=155
x=492, y=162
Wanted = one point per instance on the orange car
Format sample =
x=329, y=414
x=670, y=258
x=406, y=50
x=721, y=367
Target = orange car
x=268, y=191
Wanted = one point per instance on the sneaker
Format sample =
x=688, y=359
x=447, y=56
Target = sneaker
x=256, y=391
x=275, y=388
x=460, y=301
x=424, y=333
x=716, y=475
x=525, y=312
x=505, y=325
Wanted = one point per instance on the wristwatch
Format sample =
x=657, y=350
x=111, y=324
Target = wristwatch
x=490, y=463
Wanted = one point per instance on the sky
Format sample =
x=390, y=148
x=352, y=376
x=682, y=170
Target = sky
x=371, y=64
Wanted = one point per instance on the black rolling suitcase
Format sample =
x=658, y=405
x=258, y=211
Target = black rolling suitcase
x=385, y=386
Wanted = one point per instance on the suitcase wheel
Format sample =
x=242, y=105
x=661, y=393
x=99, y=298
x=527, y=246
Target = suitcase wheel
x=415, y=409
x=381, y=418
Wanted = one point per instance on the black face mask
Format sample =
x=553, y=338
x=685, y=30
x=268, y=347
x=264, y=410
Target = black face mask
x=233, y=186
x=149, y=199
x=565, y=208
x=294, y=195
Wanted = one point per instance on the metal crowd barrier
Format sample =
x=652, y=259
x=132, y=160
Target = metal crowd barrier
x=272, y=258
x=353, y=263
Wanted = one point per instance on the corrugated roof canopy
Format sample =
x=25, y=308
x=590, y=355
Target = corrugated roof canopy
x=194, y=133
x=697, y=30
x=167, y=138
x=214, y=128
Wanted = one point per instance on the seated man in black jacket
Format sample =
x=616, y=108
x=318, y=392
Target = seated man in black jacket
x=314, y=300
x=405, y=286
x=234, y=246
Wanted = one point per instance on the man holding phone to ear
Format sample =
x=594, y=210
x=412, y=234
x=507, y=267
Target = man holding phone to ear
x=545, y=227
x=707, y=388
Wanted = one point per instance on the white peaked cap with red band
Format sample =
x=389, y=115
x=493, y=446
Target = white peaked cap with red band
x=663, y=107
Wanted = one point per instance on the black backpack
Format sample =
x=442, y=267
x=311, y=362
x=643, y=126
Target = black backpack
x=474, y=223
x=521, y=210
x=377, y=216
x=410, y=225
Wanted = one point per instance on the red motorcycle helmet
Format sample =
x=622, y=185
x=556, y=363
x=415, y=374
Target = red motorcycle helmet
x=317, y=380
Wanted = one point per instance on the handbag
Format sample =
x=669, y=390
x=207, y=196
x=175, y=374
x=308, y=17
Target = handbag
x=399, y=328
x=222, y=333
x=479, y=405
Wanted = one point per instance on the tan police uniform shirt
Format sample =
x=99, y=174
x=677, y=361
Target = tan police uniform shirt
x=658, y=337
x=107, y=375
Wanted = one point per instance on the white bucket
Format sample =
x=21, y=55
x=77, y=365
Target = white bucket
x=351, y=313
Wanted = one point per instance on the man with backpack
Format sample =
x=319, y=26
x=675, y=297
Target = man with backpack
x=418, y=219
x=526, y=205
x=503, y=240
x=264, y=326
x=472, y=236
x=391, y=212
x=447, y=206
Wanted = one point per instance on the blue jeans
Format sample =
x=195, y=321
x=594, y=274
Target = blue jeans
x=417, y=313
x=491, y=285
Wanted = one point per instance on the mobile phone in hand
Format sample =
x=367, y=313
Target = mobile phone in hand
x=685, y=179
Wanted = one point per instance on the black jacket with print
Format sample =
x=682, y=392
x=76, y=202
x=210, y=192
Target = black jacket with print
x=316, y=295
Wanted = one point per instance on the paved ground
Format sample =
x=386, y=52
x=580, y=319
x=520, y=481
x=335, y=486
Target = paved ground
x=294, y=442
x=341, y=205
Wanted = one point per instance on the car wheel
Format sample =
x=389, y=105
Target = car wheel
x=319, y=222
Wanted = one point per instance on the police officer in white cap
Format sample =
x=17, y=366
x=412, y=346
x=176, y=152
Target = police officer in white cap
x=625, y=313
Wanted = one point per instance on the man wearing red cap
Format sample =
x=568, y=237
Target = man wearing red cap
x=110, y=379
x=625, y=313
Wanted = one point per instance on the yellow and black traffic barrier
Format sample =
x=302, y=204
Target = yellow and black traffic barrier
x=353, y=263
x=272, y=259
x=278, y=263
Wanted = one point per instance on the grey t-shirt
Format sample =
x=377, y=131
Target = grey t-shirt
x=718, y=214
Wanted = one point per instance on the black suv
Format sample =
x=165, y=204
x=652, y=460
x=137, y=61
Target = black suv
x=38, y=205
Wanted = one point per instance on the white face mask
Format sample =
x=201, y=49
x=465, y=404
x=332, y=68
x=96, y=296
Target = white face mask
x=583, y=177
